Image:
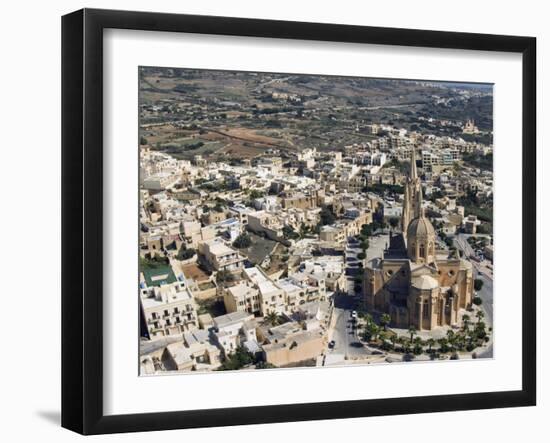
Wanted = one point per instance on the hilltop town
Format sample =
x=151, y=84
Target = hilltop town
x=290, y=221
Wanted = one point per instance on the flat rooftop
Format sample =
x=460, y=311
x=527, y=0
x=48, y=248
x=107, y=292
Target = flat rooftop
x=231, y=318
x=158, y=275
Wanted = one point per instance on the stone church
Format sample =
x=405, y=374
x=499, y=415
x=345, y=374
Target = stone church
x=413, y=282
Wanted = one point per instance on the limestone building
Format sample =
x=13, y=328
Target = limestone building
x=413, y=282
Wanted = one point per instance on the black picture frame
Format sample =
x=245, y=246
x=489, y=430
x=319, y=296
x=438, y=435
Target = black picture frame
x=82, y=232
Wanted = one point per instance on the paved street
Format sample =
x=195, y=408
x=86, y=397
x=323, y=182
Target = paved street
x=347, y=343
x=486, y=292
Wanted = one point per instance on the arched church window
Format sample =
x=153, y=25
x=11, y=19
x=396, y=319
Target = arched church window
x=422, y=250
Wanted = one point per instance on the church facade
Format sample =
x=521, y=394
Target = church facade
x=413, y=282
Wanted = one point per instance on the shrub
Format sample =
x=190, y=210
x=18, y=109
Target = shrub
x=243, y=241
x=478, y=284
x=185, y=254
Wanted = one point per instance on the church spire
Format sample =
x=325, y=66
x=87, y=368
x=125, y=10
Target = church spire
x=419, y=198
x=413, y=175
x=406, y=214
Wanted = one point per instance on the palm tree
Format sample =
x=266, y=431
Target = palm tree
x=443, y=342
x=271, y=318
x=479, y=315
x=430, y=343
x=368, y=318
x=374, y=330
x=450, y=335
x=465, y=321
x=385, y=320
x=412, y=331
x=451, y=338
x=418, y=345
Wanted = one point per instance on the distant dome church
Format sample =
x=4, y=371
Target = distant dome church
x=411, y=282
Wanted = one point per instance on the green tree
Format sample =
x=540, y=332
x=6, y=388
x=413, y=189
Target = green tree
x=371, y=331
x=443, y=345
x=272, y=318
x=478, y=284
x=361, y=256
x=385, y=320
x=430, y=342
x=451, y=338
x=417, y=350
x=366, y=230
x=368, y=318
x=465, y=322
x=237, y=360
x=412, y=332
x=477, y=301
x=480, y=315
x=185, y=253
x=254, y=193
x=394, y=221
x=243, y=241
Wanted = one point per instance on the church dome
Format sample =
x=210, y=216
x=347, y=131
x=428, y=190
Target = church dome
x=420, y=227
x=421, y=240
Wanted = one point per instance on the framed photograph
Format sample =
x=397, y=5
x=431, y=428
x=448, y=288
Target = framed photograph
x=269, y=221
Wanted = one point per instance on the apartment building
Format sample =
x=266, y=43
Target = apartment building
x=272, y=298
x=242, y=297
x=168, y=309
x=215, y=255
x=267, y=223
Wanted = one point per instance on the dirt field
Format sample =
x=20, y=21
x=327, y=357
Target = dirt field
x=193, y=271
